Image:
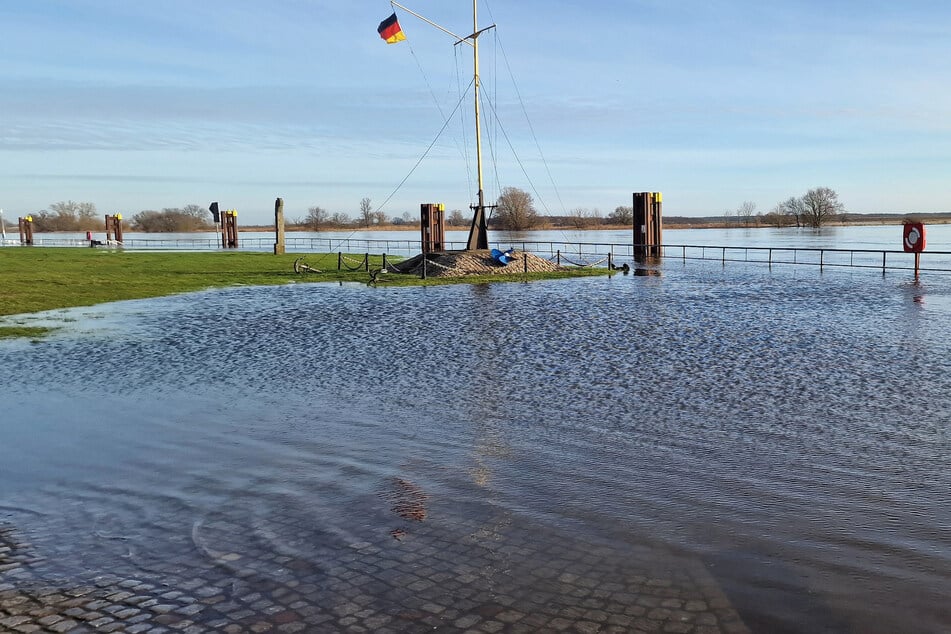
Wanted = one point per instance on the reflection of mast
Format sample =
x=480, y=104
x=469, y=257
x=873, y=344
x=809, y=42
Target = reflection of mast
x=478, y=233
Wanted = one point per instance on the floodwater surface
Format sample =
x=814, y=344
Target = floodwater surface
x=786, y=430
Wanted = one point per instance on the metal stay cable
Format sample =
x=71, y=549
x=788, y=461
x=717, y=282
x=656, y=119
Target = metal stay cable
x=428, y=149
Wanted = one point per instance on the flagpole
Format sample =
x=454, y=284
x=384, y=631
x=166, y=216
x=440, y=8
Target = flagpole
x=478, y=238
x=478, y=233
x=459, y=38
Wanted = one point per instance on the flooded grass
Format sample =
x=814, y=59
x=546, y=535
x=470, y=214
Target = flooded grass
x=34, y=280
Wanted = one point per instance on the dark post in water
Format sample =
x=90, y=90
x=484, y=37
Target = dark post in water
x=279, y=248
x=648, y=225
x=432, y=227
x=114, y=228
x=26, y=230
x=229, y=229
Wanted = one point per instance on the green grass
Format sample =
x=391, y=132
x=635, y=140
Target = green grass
x=38, y=279
x=34, y=332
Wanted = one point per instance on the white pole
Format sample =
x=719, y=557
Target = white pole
x=3, y=229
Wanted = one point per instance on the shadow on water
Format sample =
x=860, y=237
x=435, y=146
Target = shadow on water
x=772, y=596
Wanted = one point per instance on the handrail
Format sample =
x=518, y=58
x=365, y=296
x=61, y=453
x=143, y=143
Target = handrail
x=884, y=259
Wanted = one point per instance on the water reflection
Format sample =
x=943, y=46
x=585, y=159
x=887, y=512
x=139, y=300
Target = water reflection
x=783, y=427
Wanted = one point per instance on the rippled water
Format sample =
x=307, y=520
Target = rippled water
x=789, y=428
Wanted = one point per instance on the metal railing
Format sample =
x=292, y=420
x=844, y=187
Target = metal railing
x=568, y=253
x=881, y=259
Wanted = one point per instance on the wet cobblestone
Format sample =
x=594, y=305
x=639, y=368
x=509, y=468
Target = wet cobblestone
x=469, y=577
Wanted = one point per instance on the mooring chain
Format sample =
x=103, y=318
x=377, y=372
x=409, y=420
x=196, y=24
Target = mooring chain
x=359, y=263
x=434, y=263
x=601, y=261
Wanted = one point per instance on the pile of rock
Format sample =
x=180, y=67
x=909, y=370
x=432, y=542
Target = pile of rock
x=462, y=263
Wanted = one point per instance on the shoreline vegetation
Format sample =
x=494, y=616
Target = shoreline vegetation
x=588, y=221
x=36, y=280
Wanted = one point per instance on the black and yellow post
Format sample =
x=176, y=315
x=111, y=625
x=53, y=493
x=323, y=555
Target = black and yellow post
x=26, y=230
x=432, y=227
x=229, y=229
x=648, y=225
x=114, y=228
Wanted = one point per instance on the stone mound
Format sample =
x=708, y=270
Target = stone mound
x=462, y=263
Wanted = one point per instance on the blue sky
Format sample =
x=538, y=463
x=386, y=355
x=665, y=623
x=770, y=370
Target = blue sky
x=136, y=106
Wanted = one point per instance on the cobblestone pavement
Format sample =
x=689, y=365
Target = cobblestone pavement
x=287, y=576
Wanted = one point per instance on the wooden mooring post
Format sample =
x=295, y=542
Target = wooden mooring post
x=432, y=227
x=648, y=225
x=26, y=230
x=229, y=229
x=114, y=228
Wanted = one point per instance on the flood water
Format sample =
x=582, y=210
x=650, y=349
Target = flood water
x=786, y=428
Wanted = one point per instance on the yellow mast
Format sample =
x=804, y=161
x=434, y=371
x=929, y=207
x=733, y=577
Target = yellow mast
x=477, y=233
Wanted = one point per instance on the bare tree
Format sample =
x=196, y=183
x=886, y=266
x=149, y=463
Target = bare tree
x=456, y=218
x=582, y=218
x=67, y=216
x=744, y=212
x=622, y=215
x=515, y=210
x=316, y=217
x=171, y=219
x=821, y=205
x=339, y=219
x=792, y=208
x=366, y=211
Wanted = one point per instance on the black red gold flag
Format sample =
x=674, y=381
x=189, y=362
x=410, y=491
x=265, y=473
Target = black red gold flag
x=390, y=30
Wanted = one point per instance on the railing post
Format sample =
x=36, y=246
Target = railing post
x=366, y=261
x=723, y=257
x=339, y=260
x=822, y=254
x=384, y=261
x=610, y=262
x=558, y=257
x=685, y=253
x=884, y=253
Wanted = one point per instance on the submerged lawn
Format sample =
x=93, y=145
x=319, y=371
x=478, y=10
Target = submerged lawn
x=36, y=279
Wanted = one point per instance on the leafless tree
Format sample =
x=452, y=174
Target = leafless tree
x=744, y=212
x=456, y=218
x=171, y=219
x=515, y=210
x=339, y=219
x=366, y=212
x=316, y=217
x=821, y=205
x=582, y=218
x=622, y=215
x=793, y=209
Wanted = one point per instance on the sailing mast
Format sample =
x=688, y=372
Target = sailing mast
x=478, y=232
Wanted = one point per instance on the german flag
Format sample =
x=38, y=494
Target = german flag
x=390, y=30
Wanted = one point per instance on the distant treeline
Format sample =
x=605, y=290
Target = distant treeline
x=82, y=216
x=515, y=210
